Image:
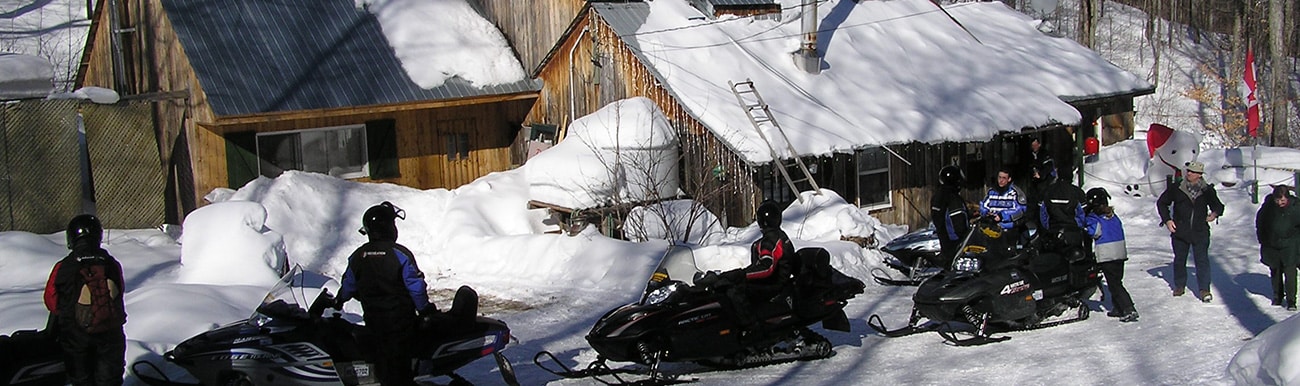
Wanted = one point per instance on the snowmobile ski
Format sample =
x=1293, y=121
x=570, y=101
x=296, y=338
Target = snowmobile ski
x=598, y=368
x=152, y=380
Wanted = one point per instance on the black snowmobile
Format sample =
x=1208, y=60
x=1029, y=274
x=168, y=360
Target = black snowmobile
x=284, y=344
x=994, y=287
x=31, y=358
x=679, y=319
x=915, y=255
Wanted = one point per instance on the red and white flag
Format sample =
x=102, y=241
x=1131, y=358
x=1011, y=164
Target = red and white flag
x=1252, y=103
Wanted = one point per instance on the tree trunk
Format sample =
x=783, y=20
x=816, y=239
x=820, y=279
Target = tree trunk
x=1277, y=65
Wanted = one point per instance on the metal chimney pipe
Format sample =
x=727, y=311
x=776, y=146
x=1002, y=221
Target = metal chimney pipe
x=806, y=58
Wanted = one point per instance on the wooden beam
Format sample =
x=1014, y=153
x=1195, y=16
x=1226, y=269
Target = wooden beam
x=225, y=121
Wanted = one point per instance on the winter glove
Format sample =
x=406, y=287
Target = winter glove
x=338, y=303
x=429, y=310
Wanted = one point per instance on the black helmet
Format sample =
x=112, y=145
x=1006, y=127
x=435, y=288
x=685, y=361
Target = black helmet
x=951, y=175
x=1098, y=197
x=379, y=221
x=85, y=230
x=769, y=215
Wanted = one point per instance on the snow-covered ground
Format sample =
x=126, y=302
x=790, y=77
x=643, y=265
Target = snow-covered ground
x=551, y=288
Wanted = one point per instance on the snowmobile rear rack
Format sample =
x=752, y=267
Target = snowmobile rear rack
x=598, y=368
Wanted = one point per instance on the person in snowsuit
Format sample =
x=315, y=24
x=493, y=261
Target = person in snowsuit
x=383, y=275
x=1061, y=215
x=1107, y=233
x=1276, y=228
x=1006, y=203
x=948, y=212
x=94, y=351
x=769, y=271
x=1186, y=210
x=767, y=277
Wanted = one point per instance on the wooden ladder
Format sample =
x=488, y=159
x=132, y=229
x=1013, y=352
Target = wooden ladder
x=752, y=102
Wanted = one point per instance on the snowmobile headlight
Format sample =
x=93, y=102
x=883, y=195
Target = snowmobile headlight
x=661, y=294
x=966, y=264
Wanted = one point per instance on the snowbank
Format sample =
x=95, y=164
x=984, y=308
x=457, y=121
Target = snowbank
x=1271, y=358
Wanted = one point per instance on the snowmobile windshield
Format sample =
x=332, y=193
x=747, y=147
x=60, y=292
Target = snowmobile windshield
x=284, y=300
x=678, y=264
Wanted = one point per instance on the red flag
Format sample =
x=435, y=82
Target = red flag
x=1252, y=103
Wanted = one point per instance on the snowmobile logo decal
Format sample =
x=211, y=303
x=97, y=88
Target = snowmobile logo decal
x=1014, y=287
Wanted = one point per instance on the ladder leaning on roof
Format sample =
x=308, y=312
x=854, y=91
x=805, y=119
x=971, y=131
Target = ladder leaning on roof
x=759, y=114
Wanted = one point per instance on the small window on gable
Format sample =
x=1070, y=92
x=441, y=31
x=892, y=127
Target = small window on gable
x=457, y=146
x=338, y=151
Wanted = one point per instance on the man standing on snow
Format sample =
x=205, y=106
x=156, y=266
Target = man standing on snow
x=84, y=296
x=382, y=274
x=1186, y=210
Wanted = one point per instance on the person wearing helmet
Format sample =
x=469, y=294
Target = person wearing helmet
x=383, y=275
x=767, y=276
x=949, y=213
x=766, y=266
x=84, y=297
x=1108, y=244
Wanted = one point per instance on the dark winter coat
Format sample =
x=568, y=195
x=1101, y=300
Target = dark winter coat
x=1279, y=237
x=949, y=214
x=1188, y=206
x=64, y=287
x=383, y=275
x=1062, y=206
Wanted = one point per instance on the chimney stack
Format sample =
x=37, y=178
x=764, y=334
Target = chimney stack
x=806, y=58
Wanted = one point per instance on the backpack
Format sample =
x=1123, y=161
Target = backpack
x=98, y=308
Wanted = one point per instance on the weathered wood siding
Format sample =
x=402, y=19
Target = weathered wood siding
x=532, y=27
x=421, y=146
x=575, y=86
x=157, y=69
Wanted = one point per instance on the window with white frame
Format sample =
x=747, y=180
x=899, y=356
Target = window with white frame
x=873, y=178
x=338, y=151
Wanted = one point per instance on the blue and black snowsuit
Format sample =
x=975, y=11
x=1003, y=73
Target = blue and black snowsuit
x=1107, y=232
x=383, y=275
x=951, y=221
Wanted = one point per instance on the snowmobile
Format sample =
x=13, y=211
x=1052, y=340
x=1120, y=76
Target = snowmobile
x=994, y=287
x=680, y=318
x=31, y=358
x=915, y=255
x=284, y=344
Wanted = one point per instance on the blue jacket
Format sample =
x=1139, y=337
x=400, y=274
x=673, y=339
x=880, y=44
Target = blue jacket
x=1108, y=235
x=1009, y=204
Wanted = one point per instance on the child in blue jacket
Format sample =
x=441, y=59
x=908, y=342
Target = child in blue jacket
x=1108, y=237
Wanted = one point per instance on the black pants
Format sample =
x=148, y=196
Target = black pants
x=1284, y=284
x=1119, y=297
x=93, y=359
x=397, y=332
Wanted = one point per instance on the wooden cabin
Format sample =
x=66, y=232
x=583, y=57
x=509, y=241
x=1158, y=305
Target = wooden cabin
x=599, y=59
x=246, y=88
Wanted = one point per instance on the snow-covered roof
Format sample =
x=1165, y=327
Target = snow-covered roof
x=255, y=56
x=892, y=72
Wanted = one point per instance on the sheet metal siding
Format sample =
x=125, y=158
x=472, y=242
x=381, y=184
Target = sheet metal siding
x=286, y=55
